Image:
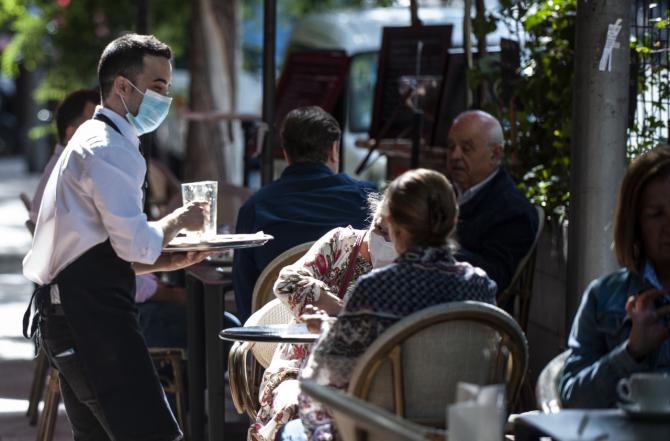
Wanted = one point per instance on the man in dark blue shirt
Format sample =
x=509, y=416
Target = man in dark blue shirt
x=308, y=200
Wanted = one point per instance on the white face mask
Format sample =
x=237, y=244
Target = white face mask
x=382, y=252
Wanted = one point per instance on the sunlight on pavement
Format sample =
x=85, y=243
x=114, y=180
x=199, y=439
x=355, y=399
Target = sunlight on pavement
x=8, y=405
x=13, y=350
x=15, y=236
x=13, y=406
x=12, y=343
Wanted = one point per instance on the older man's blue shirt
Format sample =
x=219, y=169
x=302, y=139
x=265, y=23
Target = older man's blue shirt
x=307, y=201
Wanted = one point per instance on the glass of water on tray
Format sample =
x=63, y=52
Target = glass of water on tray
x=203, y=191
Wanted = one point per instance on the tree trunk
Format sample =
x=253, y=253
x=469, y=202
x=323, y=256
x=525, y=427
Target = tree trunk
x=483, y=96
x=214, y=147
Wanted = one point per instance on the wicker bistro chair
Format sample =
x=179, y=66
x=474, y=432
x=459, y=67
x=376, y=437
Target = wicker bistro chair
x=244, y=373
x=27, y=202
x=359, y=420
x=521, y=287
x=41, y=364
x=547, y=391
x=413, y=368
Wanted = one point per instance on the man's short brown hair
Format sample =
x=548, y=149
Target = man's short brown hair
x=70, y=111
x=308, y=134
x=627, y=235
x=125, y=56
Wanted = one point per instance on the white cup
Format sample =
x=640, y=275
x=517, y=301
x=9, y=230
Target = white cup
x=650, y=391
x=204, y=191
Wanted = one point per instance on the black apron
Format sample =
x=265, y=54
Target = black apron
x=97, y=293
x=97, y=297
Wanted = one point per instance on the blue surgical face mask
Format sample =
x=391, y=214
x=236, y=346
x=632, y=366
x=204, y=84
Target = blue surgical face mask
x=152, y=112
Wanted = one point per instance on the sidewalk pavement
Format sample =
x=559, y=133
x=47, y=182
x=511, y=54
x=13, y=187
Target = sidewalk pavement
x=16, y=353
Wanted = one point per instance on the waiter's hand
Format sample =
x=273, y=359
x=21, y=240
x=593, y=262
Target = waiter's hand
x=173, y=261
x=183, y=260
x=190, y=216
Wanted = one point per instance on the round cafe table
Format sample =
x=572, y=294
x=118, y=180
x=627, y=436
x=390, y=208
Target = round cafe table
x=289, y=333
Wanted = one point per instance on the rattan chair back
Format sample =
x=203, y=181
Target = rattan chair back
x=413, y=368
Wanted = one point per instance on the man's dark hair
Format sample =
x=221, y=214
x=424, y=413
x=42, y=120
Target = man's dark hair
x=125, y=56
x=71, y=109
x=308, y=133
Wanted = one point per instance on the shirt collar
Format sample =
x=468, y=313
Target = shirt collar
x=127, y=130
x=427, y=254
x=649, y=276
x=306, y=168
x=465, y=196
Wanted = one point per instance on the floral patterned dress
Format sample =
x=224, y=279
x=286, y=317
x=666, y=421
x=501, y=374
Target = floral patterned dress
x=319, y=271
x=419, y=278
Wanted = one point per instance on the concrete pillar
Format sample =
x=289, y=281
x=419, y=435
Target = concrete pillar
x=600, y=119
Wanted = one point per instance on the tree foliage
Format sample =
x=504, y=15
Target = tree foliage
x=538, y=118
x=65, y=38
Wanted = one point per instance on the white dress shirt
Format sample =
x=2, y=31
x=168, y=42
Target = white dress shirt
x=37, y=199
x=94, y=193
x=465, y=196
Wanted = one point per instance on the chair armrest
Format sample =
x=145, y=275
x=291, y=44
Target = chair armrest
x=238, y=378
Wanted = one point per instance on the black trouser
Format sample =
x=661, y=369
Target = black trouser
x=83, y=409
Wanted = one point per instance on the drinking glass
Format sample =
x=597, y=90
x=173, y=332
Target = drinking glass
x=204, y=191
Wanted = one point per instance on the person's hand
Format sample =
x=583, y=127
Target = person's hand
x=330, y=303
x=183, y=260
x=192, y=215
x=649, y=330
x=313, y=317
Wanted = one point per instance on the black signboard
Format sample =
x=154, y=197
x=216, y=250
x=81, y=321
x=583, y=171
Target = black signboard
x=311, y=78
x=391, y=115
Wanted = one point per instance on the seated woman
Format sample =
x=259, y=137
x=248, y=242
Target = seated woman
x=320, y=279
x=621, y=327
x=420, y=210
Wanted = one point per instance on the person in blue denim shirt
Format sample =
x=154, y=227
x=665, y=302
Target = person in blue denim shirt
x=621, y=326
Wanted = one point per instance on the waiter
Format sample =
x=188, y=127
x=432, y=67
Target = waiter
x=92, y=237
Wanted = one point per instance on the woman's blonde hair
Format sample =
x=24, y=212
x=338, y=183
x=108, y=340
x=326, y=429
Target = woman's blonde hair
x=423, y=203
x=627, y=235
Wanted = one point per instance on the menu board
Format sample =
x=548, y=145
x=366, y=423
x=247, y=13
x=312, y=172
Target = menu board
x=391, y=115
x=311, y=78
x=453, y=98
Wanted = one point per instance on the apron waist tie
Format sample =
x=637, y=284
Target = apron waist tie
x=42, y=299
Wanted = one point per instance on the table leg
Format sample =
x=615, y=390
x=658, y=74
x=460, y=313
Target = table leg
x=214, y=322
x=196, y=358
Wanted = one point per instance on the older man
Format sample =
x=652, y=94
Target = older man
x=497, y=224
